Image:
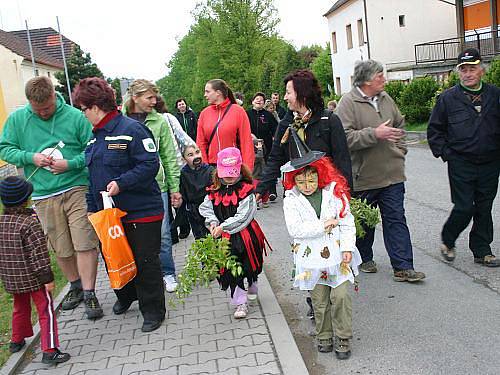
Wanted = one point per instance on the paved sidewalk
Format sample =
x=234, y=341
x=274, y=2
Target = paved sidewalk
x=198, y=337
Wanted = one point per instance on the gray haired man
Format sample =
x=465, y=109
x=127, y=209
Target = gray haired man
x=464, y=131
x=374, y=129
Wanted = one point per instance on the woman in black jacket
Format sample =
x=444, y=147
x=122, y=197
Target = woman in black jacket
x=320, y=129
x=262, y=122
x=186, y=117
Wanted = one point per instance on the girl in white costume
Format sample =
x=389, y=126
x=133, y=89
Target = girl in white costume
x=318, y=217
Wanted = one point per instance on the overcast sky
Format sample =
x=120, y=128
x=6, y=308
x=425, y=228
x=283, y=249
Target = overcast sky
x=136, y=39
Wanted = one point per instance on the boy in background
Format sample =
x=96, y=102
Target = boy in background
x=195, y=177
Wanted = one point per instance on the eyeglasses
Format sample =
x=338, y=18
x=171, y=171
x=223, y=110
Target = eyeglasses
x=84, y=109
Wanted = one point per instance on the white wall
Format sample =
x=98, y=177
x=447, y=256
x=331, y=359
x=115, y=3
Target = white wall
x=43, y=70
x=11, y=79
x=343, y=61
x=392, y=45
x=425, y=20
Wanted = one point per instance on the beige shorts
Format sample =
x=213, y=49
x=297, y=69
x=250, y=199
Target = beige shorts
x=64, y=221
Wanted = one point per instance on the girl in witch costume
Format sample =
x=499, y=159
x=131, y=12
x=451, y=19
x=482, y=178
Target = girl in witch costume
x=317, y=215
x=229, y=210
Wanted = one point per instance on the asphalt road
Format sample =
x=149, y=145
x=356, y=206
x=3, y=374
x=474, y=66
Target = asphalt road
x=447, y=324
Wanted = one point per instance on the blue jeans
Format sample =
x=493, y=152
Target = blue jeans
x=397, y=241
x=166, y=258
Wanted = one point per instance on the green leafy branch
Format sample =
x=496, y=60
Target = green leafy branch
x=364, y=214
x=206, y=258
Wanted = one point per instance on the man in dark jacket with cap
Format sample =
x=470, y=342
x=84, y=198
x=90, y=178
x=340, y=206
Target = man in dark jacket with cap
x=464, y=131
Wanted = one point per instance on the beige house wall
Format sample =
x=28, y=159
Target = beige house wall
x=15, y=71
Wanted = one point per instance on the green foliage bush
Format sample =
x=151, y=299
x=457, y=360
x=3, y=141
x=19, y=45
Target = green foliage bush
x=395, y=89
x=416, y=99
x=493, y=74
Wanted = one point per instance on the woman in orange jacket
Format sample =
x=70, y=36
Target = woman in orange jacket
x=223, y=124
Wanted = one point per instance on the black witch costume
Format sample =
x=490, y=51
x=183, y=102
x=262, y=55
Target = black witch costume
x=234, y=207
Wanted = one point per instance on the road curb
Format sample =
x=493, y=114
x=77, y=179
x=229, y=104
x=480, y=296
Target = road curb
x=288, y=353
x=15, y=360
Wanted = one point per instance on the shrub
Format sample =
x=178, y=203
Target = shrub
x=493, y=74
x=416, y=99
x=451, y=81
x=394, y=89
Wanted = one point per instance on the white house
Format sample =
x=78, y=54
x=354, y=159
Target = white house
x=386, y=31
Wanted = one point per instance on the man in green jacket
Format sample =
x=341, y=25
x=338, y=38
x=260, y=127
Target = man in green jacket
x=47, y=138
x=374, y=130
x=140, y=106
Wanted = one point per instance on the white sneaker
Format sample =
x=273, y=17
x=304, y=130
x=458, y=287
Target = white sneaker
x=170, y=283
x=241, y=311
x=251, y=297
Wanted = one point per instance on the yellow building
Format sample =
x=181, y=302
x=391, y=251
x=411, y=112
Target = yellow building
x=17, y=69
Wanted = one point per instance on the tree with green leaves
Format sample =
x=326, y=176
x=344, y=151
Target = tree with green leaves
x=115, y=84
x=235, y=40
x=80, y=66
x=321, y=66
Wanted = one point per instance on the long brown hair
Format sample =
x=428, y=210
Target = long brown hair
x=245, y=172
x=221, y=85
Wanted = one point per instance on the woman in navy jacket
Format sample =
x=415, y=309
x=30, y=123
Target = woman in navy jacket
x=122, y=159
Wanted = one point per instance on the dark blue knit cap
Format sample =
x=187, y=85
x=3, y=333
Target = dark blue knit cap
x=15, y=191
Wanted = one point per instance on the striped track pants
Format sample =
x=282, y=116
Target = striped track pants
x=21, y=318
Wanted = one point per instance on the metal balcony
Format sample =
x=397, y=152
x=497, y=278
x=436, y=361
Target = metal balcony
x=487, y=43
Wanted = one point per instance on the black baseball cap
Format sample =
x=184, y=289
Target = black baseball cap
x=470, y=56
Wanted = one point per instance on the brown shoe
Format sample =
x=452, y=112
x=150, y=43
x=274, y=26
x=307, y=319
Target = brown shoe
x=325, y=346
x=368, y=267
x=488, y=261
x=408, y=275
x=447, y=253
x=342, y=348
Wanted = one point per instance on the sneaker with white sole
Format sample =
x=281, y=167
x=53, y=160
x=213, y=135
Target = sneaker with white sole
x=241, y=311
x=170, y=283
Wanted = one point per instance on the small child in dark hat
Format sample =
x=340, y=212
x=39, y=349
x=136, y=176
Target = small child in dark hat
x=25, y=270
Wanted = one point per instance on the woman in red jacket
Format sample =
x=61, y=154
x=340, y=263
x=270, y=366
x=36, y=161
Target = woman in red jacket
x=223, y=124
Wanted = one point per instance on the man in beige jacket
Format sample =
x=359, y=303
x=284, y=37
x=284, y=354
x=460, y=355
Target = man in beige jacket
x=374, y=130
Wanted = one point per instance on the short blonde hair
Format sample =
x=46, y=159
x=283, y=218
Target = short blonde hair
x=39, y=89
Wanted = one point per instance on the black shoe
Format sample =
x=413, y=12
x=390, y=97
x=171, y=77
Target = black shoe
x=151, y=325
x=54, y=358
x=72, y=299
x=120, y=308
x=272, y=197
x=488, y=261
x=92, y=308
x=310, y=313
x=14, y=347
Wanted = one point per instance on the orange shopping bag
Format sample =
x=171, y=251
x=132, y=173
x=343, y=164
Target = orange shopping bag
x=115, y=248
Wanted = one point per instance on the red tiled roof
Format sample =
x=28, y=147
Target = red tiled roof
x=47, y=40
x=21, y=47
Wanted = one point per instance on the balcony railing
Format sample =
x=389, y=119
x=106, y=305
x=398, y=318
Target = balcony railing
x=487, y=43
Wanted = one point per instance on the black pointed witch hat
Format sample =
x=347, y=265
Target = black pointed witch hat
x=300, y=154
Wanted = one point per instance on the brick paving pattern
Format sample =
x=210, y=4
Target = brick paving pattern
x=199, y=337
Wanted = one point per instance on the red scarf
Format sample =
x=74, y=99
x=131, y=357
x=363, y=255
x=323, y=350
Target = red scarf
x=109, y=116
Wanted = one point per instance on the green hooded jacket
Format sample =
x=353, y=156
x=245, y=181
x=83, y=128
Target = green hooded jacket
x=25, y=134
x=169, y=174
